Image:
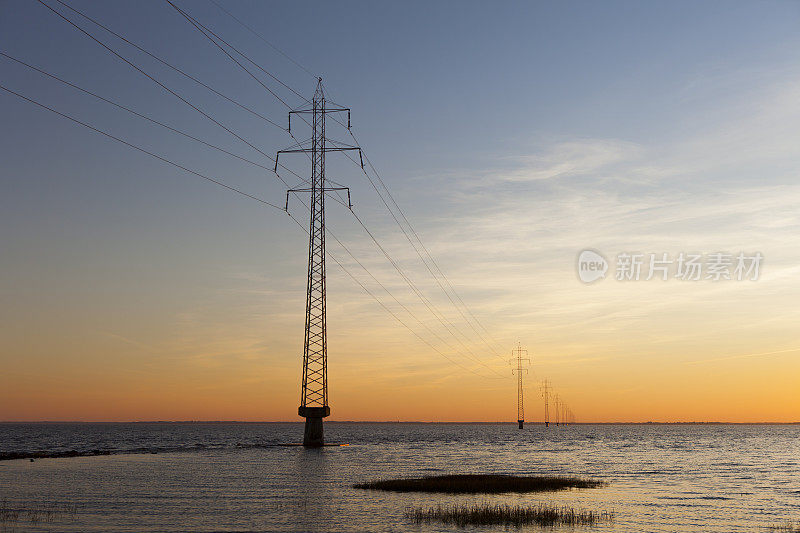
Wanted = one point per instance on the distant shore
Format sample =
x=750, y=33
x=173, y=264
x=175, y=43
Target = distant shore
x=474, y=423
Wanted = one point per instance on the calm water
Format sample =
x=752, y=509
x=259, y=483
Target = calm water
x=231, y=477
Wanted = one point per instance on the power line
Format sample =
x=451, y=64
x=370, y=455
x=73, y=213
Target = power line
x=242, y=54
x=185, y=101
x=233, y=189
x=430, y=257
x=430, y=305
x=315, y=348
x=182, y=99
x=169, y=65
x=411, y=228
x=201, y=28
x=403, y=275
x=418, y=292
x=448, y=326
x=422, y=245
x=257, y=34
x=152, y=55
x=161, y=158
x=382, y=286
x=136, y=113
x=145, y=117
x=388, y=310
x=205, y=31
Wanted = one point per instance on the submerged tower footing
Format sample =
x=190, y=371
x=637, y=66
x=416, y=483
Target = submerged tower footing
x=314, y=434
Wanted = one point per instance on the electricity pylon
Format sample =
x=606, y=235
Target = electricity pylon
x=546, y=394
x=555, y=401
x=519, y=360
x=314, y=395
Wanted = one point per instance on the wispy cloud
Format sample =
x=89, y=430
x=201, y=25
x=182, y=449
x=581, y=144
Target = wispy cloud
x=743, y=356
x=577, y=157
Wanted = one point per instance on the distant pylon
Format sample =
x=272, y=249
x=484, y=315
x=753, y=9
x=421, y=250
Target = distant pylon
x=557, y=409
x=314, y=394
x=546, y=394
x=519, y=361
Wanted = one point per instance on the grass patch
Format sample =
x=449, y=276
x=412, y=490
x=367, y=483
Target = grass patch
x=508, y=515
x=481, y=484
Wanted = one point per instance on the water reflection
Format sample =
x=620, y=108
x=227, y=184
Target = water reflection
x=663, y=478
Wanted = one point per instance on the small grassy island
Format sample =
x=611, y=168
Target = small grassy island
x=543, y=515
x=481, y=484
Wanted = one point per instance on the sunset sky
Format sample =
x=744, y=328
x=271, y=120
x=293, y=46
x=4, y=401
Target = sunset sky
x=512, y=135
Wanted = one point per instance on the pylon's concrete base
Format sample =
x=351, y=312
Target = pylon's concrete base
x=314, y=434
x=520, y=423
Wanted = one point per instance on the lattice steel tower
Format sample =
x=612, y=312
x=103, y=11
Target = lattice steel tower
x=314, y=394
x=545, y=395
x=518, y=352
x=555, y=400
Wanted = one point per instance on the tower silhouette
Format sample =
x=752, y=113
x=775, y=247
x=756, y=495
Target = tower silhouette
x=314, y=393
x=518, y=352
x=546, y=395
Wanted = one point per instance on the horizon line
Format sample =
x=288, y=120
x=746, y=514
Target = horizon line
x=474, y=422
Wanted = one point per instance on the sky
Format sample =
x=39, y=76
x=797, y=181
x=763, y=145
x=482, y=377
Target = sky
x=513, y=135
